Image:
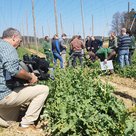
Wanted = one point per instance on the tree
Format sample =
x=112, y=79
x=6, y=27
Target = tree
x=129, y=18
x=124, y=19
x=118, y=22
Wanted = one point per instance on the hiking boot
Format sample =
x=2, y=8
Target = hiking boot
x=30, y=128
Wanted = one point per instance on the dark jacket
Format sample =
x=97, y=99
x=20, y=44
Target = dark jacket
x=87, y=45
x=95, y=45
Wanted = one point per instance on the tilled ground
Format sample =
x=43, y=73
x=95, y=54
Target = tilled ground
x=36, y=53
x=125, y=89
x=13, y=131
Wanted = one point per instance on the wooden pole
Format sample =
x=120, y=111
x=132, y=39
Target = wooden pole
x=82, y=19
x=127, y=23
x=73, y=29
x=34, y=25
x=21, y=29
x=132, y=23
x=92, y=26
x=27, y=31
x=62, y=31
x=56, y=18
x=42, y=32
x=128, y=7
x=23, y=39
x=48, y=26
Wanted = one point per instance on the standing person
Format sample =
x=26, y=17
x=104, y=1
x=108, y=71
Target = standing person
x=88, y=43
x=12, y=99
x=132, y=46
x=63, y=47
x=76, y=47
x=94, y=46
x=123, y=48
x=47, y=49
x=70, y=59
x=80, y=38
x=56, y=50
x=113, y=42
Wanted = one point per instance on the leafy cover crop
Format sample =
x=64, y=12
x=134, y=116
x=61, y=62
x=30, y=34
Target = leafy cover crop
x=21, y=51
x=129, y=71
x=80, y=105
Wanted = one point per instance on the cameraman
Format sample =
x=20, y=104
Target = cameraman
x=11, y=100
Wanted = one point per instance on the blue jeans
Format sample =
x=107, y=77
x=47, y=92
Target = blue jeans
x=57, y=56
x=124, y=58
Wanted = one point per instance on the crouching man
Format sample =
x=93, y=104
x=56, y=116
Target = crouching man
x=105, y=54
x=11, y=100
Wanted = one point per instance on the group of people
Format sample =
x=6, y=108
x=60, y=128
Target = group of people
x=35, y=96
x=119, y=47
x=56, y=49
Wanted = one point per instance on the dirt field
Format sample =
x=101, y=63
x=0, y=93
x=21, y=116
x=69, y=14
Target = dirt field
x=125, y=89
x=36, y=53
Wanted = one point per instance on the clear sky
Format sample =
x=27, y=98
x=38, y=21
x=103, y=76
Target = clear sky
x=13, y=14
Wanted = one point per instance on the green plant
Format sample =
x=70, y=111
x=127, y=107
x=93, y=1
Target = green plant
x=21, y=51
x=80, y=105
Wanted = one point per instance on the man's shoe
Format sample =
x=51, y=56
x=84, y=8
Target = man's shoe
x=29, y=128
x=3, y=123
x=111, y=71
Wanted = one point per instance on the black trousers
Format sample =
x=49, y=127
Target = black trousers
x=78, y=55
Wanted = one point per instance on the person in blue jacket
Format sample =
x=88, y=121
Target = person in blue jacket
x=56, y=50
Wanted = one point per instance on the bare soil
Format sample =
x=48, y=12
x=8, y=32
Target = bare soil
x=36, y=53
x=125, y=89
x=13, y=131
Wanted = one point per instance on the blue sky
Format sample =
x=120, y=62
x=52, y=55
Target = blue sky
x=13, y=14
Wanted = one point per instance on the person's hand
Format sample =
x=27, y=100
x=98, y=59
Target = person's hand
x=88, y=48
x=34, y=78
x=105, y=61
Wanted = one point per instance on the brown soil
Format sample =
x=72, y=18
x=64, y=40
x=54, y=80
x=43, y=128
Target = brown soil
x=36, y=53
x=125, y=89
x=13, y=131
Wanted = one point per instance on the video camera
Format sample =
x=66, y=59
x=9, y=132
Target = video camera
x=39, y=66
x=33, y=64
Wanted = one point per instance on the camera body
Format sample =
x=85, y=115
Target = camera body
x=39, y=66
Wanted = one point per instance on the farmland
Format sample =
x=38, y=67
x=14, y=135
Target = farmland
x=80, y=104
